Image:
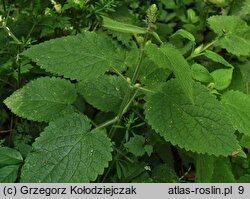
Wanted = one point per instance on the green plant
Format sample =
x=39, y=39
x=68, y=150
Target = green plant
x=124, y=102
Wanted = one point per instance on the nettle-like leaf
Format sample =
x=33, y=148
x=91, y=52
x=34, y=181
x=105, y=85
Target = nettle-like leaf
x=212, y=169
x=237, y=105
x=132, y=55
x=124, y=38
x=150, y=73
x=244, y=179
x=82, y=56
x=167, y=56
x=245, y=141
x=164, y=173
x=233, y=32
x=200, y=127
x=222, y=171
x=43, y=99
x=105, y=93
x=245, y=10
x=68, y=151
x=204, y=168
x=122, y=27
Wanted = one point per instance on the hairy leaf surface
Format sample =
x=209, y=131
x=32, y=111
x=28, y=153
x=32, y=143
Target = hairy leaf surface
x=68, y=151
x=167, y=56
x=237, y=105
x=217, y=58
x=43, y=99
x=82, y=56
x=244, y=179
x=204, y=168
x=150, y=73
x=233, y=32
x=122, y=27
x=200, y=127
x=164, y=173
x=222, y=171
x=211, y=169
x=245, y=10
x=105, y=93
x=245, y=141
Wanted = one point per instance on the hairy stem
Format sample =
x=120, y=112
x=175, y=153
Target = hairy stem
x=18, y=67
x=146, y=90
x=202, y=50
x=128, y=99
x=129, y=102
x=7, y=30
x=138, y=67
x=130, y=95
x=192, y=56
x=114, y=120
x=118, y=73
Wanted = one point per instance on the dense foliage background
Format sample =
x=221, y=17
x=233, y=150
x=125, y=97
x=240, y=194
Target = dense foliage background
x=163, y=96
